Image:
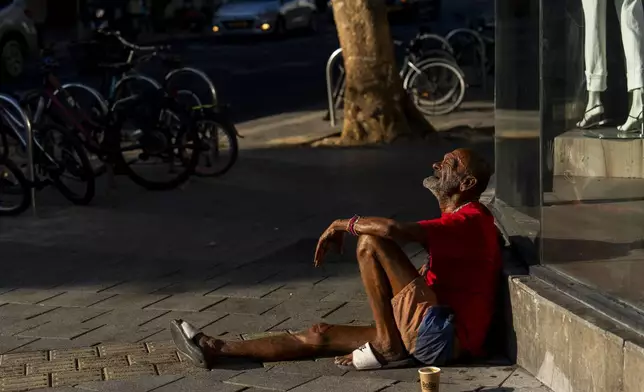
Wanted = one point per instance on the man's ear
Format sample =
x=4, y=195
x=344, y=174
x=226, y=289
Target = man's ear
x=468, y=183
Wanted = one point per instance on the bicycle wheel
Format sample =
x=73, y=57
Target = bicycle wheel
x=438, y=89
x=446, y=92
x=64, y=159
x=219, y=136
x=154, y=157
x=14, y=189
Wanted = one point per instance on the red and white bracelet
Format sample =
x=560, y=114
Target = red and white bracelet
x=351, y=225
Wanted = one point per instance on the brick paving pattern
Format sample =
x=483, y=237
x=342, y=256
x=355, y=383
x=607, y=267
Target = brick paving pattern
x=130, y=365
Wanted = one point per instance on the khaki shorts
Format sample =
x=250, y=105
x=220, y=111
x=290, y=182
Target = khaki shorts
x=410, y=306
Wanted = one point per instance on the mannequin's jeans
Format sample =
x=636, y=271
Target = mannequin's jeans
x=631, y=20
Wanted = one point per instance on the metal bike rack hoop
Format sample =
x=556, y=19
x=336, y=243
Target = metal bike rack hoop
x=481, y=43
x=444, y=41
x=329, y=87
x=30, y=145
x=201, y=74
x=91, y=90
x=156, y=85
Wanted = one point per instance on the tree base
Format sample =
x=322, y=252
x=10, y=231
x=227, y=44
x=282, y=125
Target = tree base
x=389, y=122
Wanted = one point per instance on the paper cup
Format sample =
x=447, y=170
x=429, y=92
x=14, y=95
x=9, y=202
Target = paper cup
x=430, y=379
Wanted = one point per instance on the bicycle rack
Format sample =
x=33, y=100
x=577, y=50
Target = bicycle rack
x=482, y=49
x=92, y=91
x=201, y=74
x=30, y=145
x=329, y=87
x=444, y=41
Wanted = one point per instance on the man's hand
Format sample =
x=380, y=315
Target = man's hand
x=422, y=271
x=332, y=237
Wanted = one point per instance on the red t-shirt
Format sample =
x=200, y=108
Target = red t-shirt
x=464, y=266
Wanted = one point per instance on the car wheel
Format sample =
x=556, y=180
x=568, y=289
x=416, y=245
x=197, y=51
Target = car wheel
x=12, y=59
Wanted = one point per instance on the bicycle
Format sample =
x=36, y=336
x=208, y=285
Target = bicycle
x=424, y=77
x=103, y=135
x=58, y=155
x=215, y=127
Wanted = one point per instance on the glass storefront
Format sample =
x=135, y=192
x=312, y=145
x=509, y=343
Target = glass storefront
x=569, y=140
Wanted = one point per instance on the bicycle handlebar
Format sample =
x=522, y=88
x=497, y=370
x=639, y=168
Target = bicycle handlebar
x=132, y=46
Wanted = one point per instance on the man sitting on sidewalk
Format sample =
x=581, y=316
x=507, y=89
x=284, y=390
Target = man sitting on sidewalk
x=435, y=315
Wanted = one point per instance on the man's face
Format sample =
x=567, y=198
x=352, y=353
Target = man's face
x=448, y=174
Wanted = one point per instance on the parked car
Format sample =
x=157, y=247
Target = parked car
x=18, y=38
x=264, y=16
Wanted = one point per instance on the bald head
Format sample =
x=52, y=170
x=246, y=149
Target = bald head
x=461, y=171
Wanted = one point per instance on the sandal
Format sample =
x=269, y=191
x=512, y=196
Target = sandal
x=637, y=126
x=364, y=359
x=183, y=336
x=594, y=121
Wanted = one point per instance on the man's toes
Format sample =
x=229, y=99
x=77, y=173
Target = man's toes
x=344, y=360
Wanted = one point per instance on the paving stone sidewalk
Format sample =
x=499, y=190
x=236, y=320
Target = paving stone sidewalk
x=87, y=294
x=159, y=367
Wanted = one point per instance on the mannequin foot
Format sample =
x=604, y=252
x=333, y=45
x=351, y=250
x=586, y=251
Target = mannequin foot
x=633, y=124
x=593, y=117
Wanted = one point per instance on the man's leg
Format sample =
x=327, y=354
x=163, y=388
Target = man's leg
x=385, y=271
x=320, y=340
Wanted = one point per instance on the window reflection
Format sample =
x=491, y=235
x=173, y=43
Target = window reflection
x=589, y=183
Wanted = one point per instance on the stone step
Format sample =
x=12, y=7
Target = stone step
x=569, y=346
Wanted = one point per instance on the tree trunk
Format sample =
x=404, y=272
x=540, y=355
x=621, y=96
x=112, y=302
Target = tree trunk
x=376, y=108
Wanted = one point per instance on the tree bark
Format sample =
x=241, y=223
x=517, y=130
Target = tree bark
x=376, y=108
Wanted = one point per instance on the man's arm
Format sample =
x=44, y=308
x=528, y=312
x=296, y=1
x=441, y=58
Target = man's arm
x=385, y=228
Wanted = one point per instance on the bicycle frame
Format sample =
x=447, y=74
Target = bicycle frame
x=73, y=116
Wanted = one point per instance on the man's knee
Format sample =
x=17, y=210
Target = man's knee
x=368, y=245
x=314, y=336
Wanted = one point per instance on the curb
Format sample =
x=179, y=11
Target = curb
x=287, y=129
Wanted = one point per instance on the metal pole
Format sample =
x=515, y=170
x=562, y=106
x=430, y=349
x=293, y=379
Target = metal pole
x=329, y=87
x=30, y=144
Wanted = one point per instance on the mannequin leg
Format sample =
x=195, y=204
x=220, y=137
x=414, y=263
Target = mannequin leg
x=595, y=60
x=635, y=120
x=631, y=20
